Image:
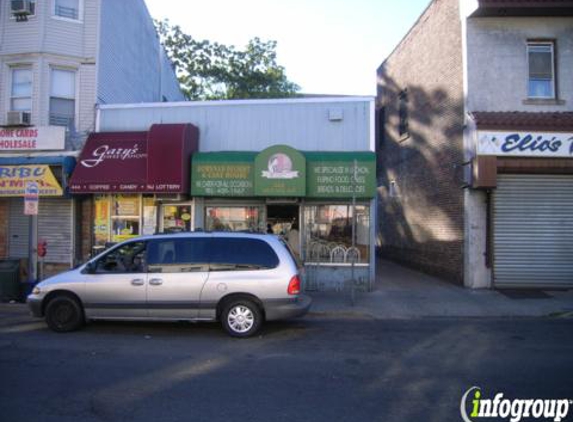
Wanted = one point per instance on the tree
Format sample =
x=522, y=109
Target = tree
x=210, y=70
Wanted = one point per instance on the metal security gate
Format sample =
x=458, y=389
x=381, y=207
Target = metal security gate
x=55, y=222
x=17, y=230
x=533, y=231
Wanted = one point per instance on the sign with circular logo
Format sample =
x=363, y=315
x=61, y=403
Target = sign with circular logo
x=280, y=171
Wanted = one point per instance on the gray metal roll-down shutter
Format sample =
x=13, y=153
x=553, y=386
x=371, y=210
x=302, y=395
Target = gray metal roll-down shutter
x=55, y=221
x=533, y=231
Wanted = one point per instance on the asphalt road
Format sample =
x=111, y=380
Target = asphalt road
x=312, y=369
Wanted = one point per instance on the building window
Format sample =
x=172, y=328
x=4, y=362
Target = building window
x=63, y=98
x=21, y=93
x=393, y=189
x=32, y=9
x=540, y=57
x=69, y=9
x=403, y=129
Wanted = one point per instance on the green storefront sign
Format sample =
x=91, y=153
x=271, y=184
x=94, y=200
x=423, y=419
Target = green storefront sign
x=222, y=174
x=280, y=171
x=341, y=174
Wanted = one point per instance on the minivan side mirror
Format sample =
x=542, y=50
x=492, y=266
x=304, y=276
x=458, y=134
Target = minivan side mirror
x=90, y=267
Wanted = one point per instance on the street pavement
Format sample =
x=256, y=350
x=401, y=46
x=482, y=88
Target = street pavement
x=329, y=367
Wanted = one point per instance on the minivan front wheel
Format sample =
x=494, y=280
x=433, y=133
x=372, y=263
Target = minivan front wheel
x=241, y=318
x=63, y=314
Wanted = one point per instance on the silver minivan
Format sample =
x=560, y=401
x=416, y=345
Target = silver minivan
x=239, y=279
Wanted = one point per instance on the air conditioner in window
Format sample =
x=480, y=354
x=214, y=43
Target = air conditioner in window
x=21, y=7
x=18, y=118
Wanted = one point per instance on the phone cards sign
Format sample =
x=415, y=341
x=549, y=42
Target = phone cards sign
x=32, y=138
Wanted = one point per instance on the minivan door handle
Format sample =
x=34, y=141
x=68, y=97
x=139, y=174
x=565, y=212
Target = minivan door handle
x=137, y=282
x=155, y=282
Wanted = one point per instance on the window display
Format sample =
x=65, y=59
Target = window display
x=234, y=219
x=177, y=218
x=125, y=216
x=149, y=215
x=329, y=234
x=101, y=220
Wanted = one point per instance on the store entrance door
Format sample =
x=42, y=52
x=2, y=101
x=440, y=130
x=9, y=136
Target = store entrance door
x=283, y=220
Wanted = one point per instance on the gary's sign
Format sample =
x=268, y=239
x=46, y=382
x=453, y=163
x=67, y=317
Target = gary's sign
x=525, y=144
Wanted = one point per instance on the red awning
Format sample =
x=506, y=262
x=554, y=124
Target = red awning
x=138, y=162
x=524, y=120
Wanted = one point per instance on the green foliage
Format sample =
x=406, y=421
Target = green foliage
x=209, y=70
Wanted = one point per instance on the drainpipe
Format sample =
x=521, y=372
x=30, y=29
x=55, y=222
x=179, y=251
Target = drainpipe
x=488, y=231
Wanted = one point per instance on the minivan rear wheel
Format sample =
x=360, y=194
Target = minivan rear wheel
x=241, y=318
x=64, y=314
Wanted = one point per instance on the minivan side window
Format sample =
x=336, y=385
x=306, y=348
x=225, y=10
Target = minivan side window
x=129, y=258
x=178, y=255
x=242, y=254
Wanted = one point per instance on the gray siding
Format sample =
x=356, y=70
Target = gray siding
x=129, y=61
x=255, y=125
x=170, y=88
x=48, y=34
x=44, y=42
x=20, y=37
x=54, y=226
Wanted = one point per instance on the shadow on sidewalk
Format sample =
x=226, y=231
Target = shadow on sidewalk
x=401, y=292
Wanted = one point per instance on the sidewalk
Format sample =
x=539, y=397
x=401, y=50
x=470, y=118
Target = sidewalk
x=401, y=293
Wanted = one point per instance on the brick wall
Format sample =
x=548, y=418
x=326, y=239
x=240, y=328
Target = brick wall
x=422, y=224
x=4, y=217
x=85, y=220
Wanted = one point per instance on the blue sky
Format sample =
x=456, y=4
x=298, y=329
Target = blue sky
x=326, y=46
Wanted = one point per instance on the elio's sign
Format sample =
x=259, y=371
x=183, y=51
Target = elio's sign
x=525, y=144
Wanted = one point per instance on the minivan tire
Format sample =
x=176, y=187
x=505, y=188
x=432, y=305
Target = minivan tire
x=241, y=318
x=64, y=314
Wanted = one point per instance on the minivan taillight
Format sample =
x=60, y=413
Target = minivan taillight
x=294, y=286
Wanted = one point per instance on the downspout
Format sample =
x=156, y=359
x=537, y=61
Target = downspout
x=488, y=253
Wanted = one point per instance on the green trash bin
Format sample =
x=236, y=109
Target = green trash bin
x=9, y=280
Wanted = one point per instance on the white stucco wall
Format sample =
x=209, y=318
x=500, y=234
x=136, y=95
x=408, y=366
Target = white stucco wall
x=497, y=62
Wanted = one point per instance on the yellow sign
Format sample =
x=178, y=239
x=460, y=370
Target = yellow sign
x=13, y=180
x=101, y=219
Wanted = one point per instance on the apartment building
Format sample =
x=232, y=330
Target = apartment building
x=59, y=60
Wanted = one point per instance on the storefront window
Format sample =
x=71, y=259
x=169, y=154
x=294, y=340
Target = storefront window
x=329, y=234
x=176, y=218
x=149, y=215
x=233, y=218
x=101, y=220
x=125, y=217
